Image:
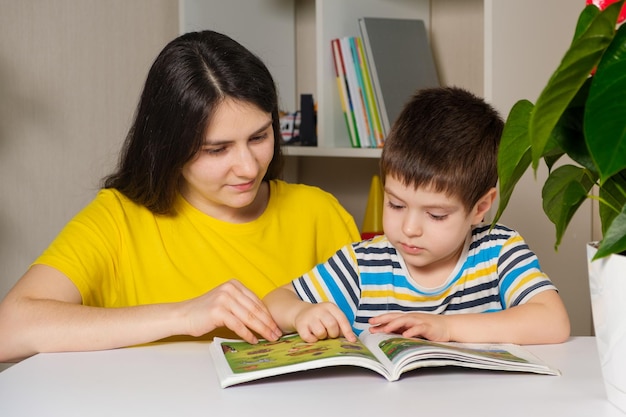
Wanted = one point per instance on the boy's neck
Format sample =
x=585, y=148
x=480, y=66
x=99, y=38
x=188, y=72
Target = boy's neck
x=438, y=274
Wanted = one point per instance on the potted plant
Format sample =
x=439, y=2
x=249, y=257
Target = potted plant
x=581, y=115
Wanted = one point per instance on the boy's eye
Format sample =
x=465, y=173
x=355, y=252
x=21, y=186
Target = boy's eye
x=438, y=217
x=394, y=206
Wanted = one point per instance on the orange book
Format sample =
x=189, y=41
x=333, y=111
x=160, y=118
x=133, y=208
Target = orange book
x=344, y=94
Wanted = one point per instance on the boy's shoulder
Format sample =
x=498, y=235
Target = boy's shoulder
x=375, y=245
x=498, y=233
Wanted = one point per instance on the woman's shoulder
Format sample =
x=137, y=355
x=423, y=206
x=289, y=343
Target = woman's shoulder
x=111, y=197
x=302, y=193
x=111, y=202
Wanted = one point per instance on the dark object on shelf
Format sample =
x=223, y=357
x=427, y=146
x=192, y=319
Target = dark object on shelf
x=308, y=135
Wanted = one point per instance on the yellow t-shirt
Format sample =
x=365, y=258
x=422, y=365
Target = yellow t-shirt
x=120, y=254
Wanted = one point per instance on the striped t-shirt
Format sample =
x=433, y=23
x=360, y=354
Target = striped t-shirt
x=496, y=270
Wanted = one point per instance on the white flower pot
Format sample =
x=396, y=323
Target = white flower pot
x=607, y=281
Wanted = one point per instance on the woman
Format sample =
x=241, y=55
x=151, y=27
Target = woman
x=193, y=227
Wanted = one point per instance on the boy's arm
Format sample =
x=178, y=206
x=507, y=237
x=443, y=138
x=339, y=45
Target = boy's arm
x=284, y=304
x=312, y=321
x=543, y=319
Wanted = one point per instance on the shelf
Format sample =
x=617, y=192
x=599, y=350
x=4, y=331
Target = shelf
x=335, y=19
x=298, y=50
x=317, y=151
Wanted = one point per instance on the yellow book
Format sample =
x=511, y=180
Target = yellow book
x=371, y=98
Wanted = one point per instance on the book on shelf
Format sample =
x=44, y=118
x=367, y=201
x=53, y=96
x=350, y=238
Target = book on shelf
x=344, y=94
x=400, y=62
x=372, y=105
x=237, y=361
x=360, y=80
x=356, y=95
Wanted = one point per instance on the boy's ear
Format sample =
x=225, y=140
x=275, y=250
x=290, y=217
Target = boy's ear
x=483, y=205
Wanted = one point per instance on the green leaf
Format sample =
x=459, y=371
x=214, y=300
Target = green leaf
x=580, y=59
x=563, y=192
x=614, y=241
x=605, y=114
x=552, y=159
x=584, y=20
x=513, y=152
x=568, y=133
x=612, y=197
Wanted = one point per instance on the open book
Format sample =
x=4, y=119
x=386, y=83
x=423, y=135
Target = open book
x=237, y=361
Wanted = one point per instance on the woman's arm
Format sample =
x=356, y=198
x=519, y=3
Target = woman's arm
x=43, y=313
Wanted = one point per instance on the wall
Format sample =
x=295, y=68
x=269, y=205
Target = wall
x=509, y=48
x=70, y=76
x=519, y=61
x=265, y=27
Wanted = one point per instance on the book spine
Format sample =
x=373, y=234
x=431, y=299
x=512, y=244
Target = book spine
x=367, y=113
x=346, y=104
x=384, y=119
x=379, y=137
x=353, y=88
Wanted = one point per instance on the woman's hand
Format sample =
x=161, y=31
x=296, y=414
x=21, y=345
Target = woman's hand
x=234, y=306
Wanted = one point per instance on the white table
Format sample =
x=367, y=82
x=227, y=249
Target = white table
x=177, y=379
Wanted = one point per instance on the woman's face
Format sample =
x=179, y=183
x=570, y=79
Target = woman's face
x=225, y=178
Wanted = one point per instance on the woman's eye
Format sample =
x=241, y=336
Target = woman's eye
x=214, y=151
x=259, y=138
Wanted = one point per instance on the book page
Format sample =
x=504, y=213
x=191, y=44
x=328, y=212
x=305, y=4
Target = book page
x=238, y=361
x=403, y=354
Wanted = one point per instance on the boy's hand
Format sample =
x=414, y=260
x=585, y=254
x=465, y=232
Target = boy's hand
x=428, y=326
x=321, y=321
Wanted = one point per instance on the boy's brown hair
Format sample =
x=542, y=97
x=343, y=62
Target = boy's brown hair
x=445, y=139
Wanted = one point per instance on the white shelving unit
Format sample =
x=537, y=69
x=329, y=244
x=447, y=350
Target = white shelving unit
x=327, y=151
x=335, y=19
x=269, y=28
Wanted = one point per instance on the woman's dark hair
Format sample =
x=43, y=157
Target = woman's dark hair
x=191, y=76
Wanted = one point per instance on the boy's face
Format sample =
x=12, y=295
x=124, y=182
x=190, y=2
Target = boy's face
x=428, y=228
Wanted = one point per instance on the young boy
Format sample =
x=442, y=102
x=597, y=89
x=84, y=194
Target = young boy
x=438, y=273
